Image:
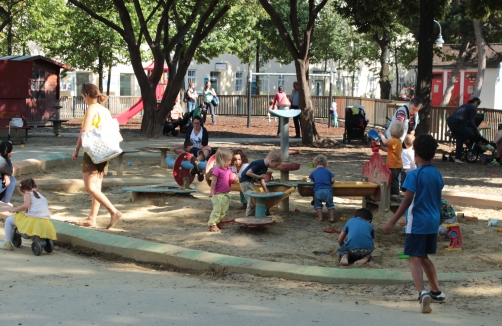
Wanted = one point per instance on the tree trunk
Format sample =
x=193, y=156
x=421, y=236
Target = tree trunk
x=309, y=131
x=397, y=72
x=454, y=73
x=480, y=44
x=100, y=71
x=257, y=83
x=109, y=80
x=385, y=85
x=425, y=58
x=9, y=39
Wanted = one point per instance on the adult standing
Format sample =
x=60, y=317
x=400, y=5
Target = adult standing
x=8, y=181
x=191, y=96
x=463, y=126
x=407, y=115
x=92, y=173
x=281, y=100
x=295, y=102
x=209, y=93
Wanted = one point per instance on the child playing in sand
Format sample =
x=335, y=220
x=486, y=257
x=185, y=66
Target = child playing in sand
x=360, y=234
x=422, y=199
x=220, y=189
x=408, y=157
x=36, y=219
x=239, y=164
x=323, y=187
x=256, y=170
x=393, y=147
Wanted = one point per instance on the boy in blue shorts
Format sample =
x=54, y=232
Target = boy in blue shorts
x=323, y=187
x=422, y=199
x=360, y=234
x=255, y=171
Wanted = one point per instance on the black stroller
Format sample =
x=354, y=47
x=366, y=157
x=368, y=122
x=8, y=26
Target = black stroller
x=355, y=125
x=183, y=124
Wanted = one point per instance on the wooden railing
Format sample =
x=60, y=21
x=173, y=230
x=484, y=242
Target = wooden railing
x=376, y=110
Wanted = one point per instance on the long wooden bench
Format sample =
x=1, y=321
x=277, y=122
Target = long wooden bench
x=9, y=116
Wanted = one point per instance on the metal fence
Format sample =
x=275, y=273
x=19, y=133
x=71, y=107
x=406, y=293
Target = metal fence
x=376, y=110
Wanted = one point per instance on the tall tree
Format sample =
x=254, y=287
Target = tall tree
x=297, y=40
x=164, y=26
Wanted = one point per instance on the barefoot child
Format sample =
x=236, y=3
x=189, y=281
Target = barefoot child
x=360, y=234
x=256, y=170
x=422, y=199
x=36, y=219
x=394, y=147
x=220, y=189
x=239, y=164
x=323, y=187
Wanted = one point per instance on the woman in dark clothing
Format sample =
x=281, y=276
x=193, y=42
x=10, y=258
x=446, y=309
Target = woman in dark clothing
x=463, y=126
x=199, y=137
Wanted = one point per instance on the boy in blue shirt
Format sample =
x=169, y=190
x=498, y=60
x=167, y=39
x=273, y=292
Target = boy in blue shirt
x=323, y=187
x=422, y=199
x=255, y=171
x=360, y=235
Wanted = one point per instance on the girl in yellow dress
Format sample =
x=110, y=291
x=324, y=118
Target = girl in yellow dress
x=31, y=218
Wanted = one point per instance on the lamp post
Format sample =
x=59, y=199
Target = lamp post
x=439, y=40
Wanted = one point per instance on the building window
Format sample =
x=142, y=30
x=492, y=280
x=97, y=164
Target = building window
x=280, y=81
x=319, y=88
x=214, y=78
x=401, y=83
x=372, y=85
x=38, y=85
x=238, y=81
x=356, y=86
x=264, y=84
x=191, y=76
x=125, y=84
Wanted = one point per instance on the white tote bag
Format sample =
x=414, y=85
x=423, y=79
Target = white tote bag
x=17, y=123
x=103, y=143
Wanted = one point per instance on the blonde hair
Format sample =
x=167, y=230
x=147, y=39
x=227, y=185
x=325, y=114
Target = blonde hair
x=397, y=130
x=408, y=140
x=276, y=155
x=29, y=184
x=321, y=160
x=92, y=91
x=222, y=155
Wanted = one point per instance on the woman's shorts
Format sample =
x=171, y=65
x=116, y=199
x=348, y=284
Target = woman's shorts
x=88, y=166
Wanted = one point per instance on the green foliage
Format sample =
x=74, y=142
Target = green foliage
x=482, y=9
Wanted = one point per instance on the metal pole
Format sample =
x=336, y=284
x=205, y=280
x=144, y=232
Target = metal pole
x=249, y=97
x=330, y=96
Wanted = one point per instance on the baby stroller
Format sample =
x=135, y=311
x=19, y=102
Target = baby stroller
x=355, y=124
x=475, y=149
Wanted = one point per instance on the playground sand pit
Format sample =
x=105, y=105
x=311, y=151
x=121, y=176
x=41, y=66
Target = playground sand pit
x=295, y=237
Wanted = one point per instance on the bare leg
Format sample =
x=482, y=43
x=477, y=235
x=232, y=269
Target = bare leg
x=319, y=214
x=362, y=261
x=430, y=272
x=417, y=272
x=332, y=215
x=179, y=151
x=92, y=182
x=345, y=260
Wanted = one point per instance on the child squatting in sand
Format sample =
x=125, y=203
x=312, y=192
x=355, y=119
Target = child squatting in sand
x=360, y=234
x=323, y=187
x=422, y=200
x=256, y=170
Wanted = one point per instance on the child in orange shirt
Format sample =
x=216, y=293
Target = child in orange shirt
x=394, y=148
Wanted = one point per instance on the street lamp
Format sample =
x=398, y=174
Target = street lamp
x=439, y=40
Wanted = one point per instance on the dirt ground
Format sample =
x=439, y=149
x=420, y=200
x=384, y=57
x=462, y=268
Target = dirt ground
x=295, y=237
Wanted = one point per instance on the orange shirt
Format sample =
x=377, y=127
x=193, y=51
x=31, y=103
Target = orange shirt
x=394, y=149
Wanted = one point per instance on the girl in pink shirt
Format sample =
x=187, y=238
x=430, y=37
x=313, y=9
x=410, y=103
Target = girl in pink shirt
x=220, y=189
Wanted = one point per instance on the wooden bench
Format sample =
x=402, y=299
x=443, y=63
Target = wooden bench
x=9, y=116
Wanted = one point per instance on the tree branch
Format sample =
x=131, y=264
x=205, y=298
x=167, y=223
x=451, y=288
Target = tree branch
x=293, y=18
x=98, y=17
x=178, y=37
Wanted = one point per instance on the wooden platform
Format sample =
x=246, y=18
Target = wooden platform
x=138, y=191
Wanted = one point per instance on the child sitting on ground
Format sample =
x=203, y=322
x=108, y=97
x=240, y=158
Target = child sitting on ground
x=239, y=164
x=422, y=199
x=408, y=157
x=393, y=147
x=323, y=187
x=257, y=170
x=220, y=189
x=35, y=222
x=360, y=234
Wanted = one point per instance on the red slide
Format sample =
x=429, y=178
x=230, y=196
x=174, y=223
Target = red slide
x=124, y=117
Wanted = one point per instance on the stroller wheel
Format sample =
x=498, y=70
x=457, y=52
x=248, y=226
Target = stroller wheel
x=344, y=140
x=471, y=156
x=174, y=133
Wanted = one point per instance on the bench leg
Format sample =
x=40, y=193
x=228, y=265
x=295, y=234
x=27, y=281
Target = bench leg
x=163, y=158
x=120, y=170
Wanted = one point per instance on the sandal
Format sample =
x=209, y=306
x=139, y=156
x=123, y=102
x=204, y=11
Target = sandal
x=213, y=228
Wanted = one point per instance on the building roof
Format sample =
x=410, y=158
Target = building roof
x=493, y=56
x=34, y=58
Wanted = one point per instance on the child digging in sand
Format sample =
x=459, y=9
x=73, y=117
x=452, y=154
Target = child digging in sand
x=422, y=200
x=220, y=189
x=323, y=187
x=360, y=234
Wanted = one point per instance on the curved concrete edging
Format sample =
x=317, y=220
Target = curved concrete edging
x=151, y=252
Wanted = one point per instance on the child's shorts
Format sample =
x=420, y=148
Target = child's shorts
x=420, y=245
x=355, y=253
x=324, y=195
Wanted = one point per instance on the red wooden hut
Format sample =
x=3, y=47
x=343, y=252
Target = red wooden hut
x=29, y=86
